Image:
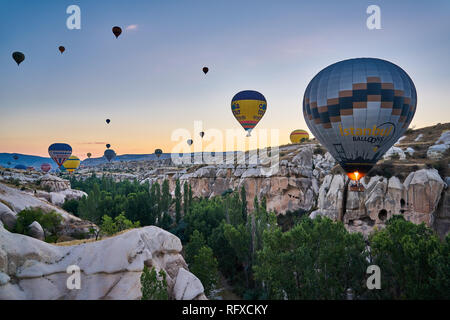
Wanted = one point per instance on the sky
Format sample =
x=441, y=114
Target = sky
x=149, y=81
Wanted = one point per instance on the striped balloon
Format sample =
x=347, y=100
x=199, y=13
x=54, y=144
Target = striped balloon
x=60, y=152
x=109, y=154
x=358, y=109
x=248, y=108
x=72, y=164
x=298, y=136
x=46, y=167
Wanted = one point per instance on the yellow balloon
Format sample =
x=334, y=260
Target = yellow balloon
x=248, y=108
x=72, y=164
x=298, y=136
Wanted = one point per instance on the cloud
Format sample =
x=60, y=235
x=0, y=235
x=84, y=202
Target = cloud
x=131, y=27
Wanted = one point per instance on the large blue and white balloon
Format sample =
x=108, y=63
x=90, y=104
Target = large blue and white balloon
x=358, y=108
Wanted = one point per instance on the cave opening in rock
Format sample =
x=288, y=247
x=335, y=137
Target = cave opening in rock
x=382, y=215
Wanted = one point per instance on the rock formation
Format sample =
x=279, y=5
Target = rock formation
x=109, y=269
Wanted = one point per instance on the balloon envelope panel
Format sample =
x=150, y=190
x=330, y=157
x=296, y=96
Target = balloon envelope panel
x=299, y=136
x=46, y=167
x=248, y=108
x=358, y=109
x=60, y=152
x=72, y=164
x=109, y=154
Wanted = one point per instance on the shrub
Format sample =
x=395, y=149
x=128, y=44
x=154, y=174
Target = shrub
x=153, y=285
x=415, y=264
x=71, y=206
x=49, y=222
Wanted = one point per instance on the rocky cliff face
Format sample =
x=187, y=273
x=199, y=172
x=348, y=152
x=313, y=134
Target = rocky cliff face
x=417, y=198
x=14, y=200
x=110, y=269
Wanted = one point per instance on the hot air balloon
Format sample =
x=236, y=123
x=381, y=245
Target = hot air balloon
x=72, y=164
x=60, y=152
x=190, y=141
x=16, y=157
x=158, y=152
x=61, y=49
x=248, y=108
x=202, y=134
x=108, y=121
x=89, y=155
x=298, y=136
x=9, y=163
x=108, y=146
x=20, y=167
x=18, y=57
x=109, y=155
x=46, y=167
x=358, y=108
x=205, y=70
x=117, y=31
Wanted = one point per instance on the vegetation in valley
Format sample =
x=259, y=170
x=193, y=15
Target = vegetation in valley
x=262, y=257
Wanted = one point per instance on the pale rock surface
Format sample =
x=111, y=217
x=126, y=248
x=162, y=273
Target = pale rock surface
x=437, y=151
x=187, y=286
x=54, y=183
x=35, y=230
x=110, y=268
x=7, y=216
x=394, y=151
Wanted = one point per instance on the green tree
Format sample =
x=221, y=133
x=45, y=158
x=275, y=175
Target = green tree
x=316, y=259
x=177, y=202
x=185, y=198
x=49, y=221
x=196, y=241
x=165, y=197
x=414, y=263
x=154, y=285
x=204, y=266
x=244, y=203
x=71, y=206
x=111, y=226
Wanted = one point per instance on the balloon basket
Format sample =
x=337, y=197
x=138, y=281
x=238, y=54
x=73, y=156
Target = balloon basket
x=357, y=187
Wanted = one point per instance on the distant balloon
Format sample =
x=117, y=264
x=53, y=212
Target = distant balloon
x=298, y=136
x=60, y=152
x=109, y=155
x=9, y=163
x=117, y=31
x=202, y=134
x=190, y=142
x=20, y=167
x=18, y=57
x=72, y=164
x=15, y=157
x=89, y=155
x=205, y=70
x=61, y=49
x=108, y=121
x=46, y=167
x=108, y=146
x=158, y=152
x=248, y=108
x=358, y=108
